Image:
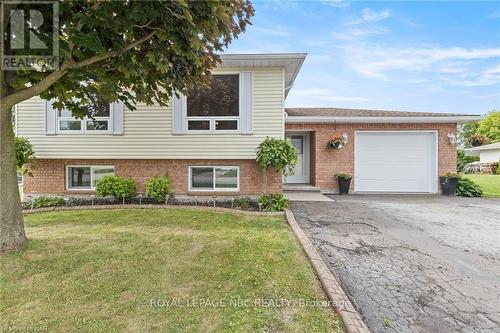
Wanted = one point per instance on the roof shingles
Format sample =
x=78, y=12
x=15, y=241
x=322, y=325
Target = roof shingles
x=342, y=112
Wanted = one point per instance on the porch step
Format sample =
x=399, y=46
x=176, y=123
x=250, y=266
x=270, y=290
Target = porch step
x=300, y=188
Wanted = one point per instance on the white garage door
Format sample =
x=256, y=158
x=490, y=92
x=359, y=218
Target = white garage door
x=395, y=162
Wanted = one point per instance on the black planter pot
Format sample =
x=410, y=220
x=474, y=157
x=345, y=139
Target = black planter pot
x=344, y=185
x=448, y=185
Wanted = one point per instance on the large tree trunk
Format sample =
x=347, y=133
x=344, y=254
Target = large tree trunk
x=12, y=234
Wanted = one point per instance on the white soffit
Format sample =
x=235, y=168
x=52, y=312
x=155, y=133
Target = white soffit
x=291, y=62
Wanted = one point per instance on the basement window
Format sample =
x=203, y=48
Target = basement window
x=218, y=178
x=86, y=177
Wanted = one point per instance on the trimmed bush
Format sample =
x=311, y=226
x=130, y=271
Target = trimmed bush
x=46, y=201
x=273, y=202
x=242, y=202
x=467, y=188
x=158, y=187
x=115, y=186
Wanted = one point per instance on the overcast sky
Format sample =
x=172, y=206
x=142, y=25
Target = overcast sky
x=419, y=56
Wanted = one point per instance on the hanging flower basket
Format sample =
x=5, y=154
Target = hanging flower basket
x=335, y=142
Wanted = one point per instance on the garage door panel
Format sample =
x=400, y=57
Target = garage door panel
x=395, y=162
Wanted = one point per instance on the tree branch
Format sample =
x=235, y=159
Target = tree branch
x=49, y=80
x=111, y=54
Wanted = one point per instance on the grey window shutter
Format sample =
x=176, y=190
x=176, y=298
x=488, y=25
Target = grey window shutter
x=179, y=114
x=50, y=118
x=246, y=94
x=117, y=118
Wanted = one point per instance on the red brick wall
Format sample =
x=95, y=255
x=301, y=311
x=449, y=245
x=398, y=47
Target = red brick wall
x=49, y=175
x=326, y=162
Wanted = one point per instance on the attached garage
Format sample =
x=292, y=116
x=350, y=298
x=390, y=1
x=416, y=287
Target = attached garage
x=395, y=161
x=385, y=151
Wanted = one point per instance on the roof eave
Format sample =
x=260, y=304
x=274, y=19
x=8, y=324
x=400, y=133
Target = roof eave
x=291, y=62
x=381, y=120
x=482, y=148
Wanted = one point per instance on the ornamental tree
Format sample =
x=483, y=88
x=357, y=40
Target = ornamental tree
x=279, y=154
x=132, y=51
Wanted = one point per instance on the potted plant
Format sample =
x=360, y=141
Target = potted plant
x=344, y=179
x=449, y=183
x=335, y=142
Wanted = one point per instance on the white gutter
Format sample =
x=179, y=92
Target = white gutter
x=380, y=120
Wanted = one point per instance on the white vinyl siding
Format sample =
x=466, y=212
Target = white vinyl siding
x=489, y=156
x=147, y=131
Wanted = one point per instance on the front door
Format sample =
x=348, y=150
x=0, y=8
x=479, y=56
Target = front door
x=301, y=143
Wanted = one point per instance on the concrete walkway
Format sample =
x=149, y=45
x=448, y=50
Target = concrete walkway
x=306, y=196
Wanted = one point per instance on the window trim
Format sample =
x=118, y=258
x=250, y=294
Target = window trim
x=213, y=119
x=92, y=167
x=214, y=188
x=83, y=123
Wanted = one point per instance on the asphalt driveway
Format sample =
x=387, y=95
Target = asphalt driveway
x=412, y=263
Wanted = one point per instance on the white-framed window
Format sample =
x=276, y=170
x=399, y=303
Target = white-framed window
x=98, y=119
x=214, y=178
x=84, y=177
x=216, y=107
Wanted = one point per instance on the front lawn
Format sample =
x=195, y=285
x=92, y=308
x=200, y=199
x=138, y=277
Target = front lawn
x=165, y=270
x=490, y=184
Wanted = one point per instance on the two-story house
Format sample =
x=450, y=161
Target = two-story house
x=206, y=142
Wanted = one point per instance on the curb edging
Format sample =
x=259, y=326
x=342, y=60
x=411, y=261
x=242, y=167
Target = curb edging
x=147, y=206
x=351, y=318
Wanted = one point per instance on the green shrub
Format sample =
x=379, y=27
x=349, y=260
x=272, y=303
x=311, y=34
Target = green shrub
x=463, y=160
x=24, y=154
x=158, y=187
x=467, y=188
x=343, y=175
x=242, y=202
x=118, y=187
x=273, y=202
x=46, y=201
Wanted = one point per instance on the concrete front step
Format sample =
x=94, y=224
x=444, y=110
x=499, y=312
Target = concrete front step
x=300, y=187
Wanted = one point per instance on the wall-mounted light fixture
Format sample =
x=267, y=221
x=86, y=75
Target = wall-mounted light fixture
x=452, y=139
x=345, y=138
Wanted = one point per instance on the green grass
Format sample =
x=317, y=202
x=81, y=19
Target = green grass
x=490, y=184
x=98, y=271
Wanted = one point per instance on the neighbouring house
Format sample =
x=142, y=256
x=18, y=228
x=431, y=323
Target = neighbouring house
x=487, y=153
x=206, y=142
x=489, y=158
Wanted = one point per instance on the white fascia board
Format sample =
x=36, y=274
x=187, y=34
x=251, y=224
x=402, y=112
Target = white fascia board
x=263, y=56
x=492, y=146
x=380, y=120
x=471, y=152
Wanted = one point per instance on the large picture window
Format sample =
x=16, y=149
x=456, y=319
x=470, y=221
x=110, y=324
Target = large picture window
x=85, y=177
x=215, y=107
x=97, y=121
x=210, y=178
